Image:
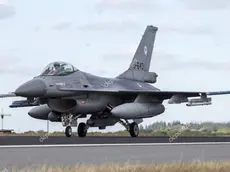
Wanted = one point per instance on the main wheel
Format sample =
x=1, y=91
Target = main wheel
x=134, y=129
x=82, y=130
x=68, y=131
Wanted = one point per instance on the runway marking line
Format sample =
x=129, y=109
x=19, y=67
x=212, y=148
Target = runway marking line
x=107, y=145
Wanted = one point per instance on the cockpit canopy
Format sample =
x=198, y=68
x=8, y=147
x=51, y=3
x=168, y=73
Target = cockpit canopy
x=58, y=69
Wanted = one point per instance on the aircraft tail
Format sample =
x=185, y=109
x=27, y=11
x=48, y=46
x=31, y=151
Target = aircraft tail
x=139, y=67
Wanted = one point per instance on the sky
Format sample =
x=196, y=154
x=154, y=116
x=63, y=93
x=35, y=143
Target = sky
x=191, y=51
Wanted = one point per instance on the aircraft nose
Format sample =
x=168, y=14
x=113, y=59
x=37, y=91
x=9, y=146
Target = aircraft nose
x=32, y=88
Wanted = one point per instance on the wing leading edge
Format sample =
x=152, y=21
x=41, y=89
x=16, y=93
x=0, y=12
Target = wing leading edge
x=20, y=103
x=175, y=97
x=8, y=95
x=166, y=94
x=158, y=93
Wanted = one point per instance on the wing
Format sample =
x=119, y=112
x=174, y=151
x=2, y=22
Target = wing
x=21, y=103
x=157, y=93
x=218, y=93
x=175, y=97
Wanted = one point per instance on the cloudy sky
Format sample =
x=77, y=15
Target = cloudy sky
x=100, y=36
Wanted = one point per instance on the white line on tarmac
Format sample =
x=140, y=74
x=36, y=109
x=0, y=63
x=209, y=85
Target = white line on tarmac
x=112, y=145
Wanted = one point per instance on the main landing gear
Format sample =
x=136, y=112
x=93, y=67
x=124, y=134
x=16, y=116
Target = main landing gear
x=132, y=128
x=82, y=129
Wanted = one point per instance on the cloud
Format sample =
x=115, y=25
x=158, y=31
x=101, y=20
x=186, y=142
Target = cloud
x=126, y=5
x=207, y=4
x=188, y=29
x=153, y=5
x=8, y=60
x=159, y=59
x=18, y=71
x=62, y=26
x=117, y=56
x=129, y=25
x=37, y=28
x=196, y=64
x=169, y=62
x=111, y=25
x=6, y=11
x=207, y=65
x=10, y=65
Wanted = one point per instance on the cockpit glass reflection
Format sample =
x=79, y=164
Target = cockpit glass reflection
x=58, y=69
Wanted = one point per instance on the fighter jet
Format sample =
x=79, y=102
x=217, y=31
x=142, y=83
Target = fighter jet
x=63, y=93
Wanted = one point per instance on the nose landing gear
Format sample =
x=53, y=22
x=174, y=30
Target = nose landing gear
x=69, y=121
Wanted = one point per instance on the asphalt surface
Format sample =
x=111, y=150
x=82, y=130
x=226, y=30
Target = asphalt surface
x=67, y=155
x=48, y=140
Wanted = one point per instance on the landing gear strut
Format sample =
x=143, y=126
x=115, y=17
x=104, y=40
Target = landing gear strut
x=132, y=128
x=82, y=129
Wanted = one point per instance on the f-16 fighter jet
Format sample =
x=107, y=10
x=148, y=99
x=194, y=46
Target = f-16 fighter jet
x=63, y=93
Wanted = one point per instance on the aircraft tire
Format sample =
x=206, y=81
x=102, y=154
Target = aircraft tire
x=68, y=131
x=82, y=130
x=134, y=129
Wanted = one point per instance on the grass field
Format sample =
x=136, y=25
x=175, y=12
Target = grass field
x=193, y=167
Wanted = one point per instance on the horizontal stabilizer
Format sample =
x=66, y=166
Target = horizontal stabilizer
x=8, y=95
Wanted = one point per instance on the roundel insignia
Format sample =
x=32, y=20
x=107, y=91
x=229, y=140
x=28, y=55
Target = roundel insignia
x=145, y=50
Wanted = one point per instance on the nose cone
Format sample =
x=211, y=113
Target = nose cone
x=32, y=88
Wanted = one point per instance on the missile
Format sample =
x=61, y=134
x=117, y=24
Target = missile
x=200, y=100
x=22, y=103
x=199, y=104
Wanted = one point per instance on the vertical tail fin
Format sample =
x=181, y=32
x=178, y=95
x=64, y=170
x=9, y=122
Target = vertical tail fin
x=143, y=55
x=139, y=67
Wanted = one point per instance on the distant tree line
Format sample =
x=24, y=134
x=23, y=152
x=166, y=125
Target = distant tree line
x=194, y=127
x=162, y=129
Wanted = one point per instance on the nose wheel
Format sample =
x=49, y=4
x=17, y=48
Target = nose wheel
x=68, y=131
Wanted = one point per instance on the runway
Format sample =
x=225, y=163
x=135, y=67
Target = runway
x=38, y=155
x=18, y=151
x=51, y=140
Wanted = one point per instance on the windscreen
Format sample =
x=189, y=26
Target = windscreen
x=58, y=69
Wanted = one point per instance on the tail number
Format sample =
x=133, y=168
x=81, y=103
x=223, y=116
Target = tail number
x=138, y=65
